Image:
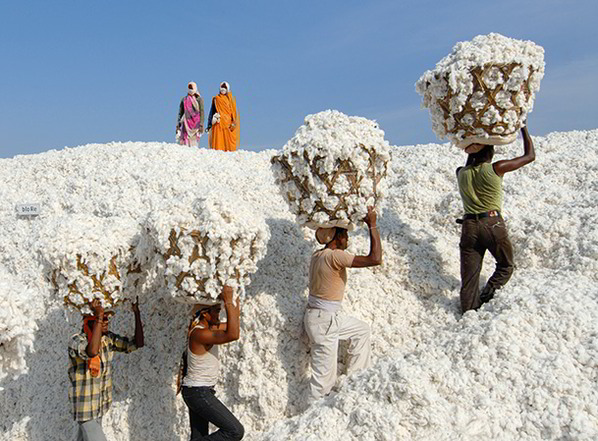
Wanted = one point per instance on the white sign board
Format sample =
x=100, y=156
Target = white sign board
x=28, y=209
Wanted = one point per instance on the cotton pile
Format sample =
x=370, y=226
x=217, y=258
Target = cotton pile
x=483, y=91
x=18, y=313
x=333, y=169
x=522, y=367
x=215, y=242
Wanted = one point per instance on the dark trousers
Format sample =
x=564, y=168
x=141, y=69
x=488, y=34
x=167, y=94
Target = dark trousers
x=205, y=408
x=477, y=236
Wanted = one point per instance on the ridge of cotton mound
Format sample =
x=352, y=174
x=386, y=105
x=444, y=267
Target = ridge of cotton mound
x=411, y=301
x=522, y=369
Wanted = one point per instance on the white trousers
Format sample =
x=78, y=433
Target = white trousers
x=324, y=330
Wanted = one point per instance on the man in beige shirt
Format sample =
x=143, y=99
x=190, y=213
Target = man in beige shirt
x=324, y=322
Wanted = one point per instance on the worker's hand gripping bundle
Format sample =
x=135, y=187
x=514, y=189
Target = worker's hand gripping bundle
x=217, y=242
x=89, y=258
x=483, y=91
x=333, y=169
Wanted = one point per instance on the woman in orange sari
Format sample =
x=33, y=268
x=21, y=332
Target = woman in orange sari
x=223, y=121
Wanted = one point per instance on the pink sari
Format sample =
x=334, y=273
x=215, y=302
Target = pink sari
x=191, y=120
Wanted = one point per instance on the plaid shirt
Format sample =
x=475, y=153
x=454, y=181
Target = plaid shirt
x=91, y=397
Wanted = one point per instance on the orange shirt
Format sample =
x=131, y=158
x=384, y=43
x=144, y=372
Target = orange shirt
x=328, y=274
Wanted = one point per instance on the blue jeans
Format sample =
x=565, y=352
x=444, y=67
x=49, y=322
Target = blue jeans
x=205, y=408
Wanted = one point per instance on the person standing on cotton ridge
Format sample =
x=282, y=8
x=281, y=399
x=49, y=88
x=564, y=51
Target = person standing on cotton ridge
x=324, y=322
x=483, y=228
x=223, y=121
x=190, y=119
x=90, y=370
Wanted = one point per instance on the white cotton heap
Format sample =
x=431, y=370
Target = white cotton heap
x=217, y=241
x=483, y=91
x=523, y=367
x=17, y=324
x=89, y=257
x=332, y=169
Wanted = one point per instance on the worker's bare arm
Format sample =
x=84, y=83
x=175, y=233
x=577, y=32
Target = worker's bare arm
x=529, y=155
x=375, y=256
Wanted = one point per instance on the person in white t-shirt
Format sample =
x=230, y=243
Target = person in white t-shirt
x=201, y=367
x=324, y=322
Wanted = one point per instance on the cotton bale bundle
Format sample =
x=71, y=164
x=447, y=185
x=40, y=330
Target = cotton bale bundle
x=332, y=169
x=216, y=242
x=483, y=91
x=89, y=258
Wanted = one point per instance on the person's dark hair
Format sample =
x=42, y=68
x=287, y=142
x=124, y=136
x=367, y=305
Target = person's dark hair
x=484, y=155
x=338, y=231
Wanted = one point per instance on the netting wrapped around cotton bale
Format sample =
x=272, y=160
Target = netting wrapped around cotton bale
x=216, y=242
x=483, y=91
x=332, y=169
x=91, y=258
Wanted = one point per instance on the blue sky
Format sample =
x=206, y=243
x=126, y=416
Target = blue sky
x=77, y=72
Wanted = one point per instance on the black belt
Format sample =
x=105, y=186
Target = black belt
x=491, y=213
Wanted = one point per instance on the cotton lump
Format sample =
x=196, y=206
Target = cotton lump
x=216, y=242
x=332, y=169
x=483, y=91
x=89, y=257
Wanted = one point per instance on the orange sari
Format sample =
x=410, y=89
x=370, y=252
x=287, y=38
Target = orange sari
x=221, y=135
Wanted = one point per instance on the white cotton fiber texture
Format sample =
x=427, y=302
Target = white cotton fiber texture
x=216, y=241
x=523, y=367
x=333, y=169
x=89, y=257
x=483, y=91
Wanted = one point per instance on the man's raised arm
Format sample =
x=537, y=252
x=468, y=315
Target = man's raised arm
x=529, y=155
x=375, y=256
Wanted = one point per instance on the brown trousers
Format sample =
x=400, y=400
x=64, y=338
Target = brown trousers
x=477, y=236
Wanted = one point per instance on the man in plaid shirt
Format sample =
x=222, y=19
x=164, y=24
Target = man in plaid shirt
x=90, y=370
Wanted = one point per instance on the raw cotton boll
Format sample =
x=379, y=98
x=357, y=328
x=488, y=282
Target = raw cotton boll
x=482, y=79
x=331, y=159
x=87, y=258
x=215, y=242
x=17, y=324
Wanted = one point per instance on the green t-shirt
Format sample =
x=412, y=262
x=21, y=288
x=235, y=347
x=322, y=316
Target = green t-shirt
x=480, y=188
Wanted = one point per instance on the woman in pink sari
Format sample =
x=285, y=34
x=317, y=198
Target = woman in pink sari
x=190, y=121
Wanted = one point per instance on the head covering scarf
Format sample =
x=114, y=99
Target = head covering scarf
x=225, y=84
x=192, y=88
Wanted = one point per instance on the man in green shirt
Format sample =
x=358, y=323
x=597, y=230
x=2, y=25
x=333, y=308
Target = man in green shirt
x=483, y=228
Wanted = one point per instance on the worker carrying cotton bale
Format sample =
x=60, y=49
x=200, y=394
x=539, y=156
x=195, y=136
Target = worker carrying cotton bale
x=216, y=242
x=482, y=92
x=333, y=169
x=87, y=258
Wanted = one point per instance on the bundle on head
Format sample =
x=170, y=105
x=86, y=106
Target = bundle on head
x=216, y=242
x=333, y=169
x=89, y=258
x=483, y=91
